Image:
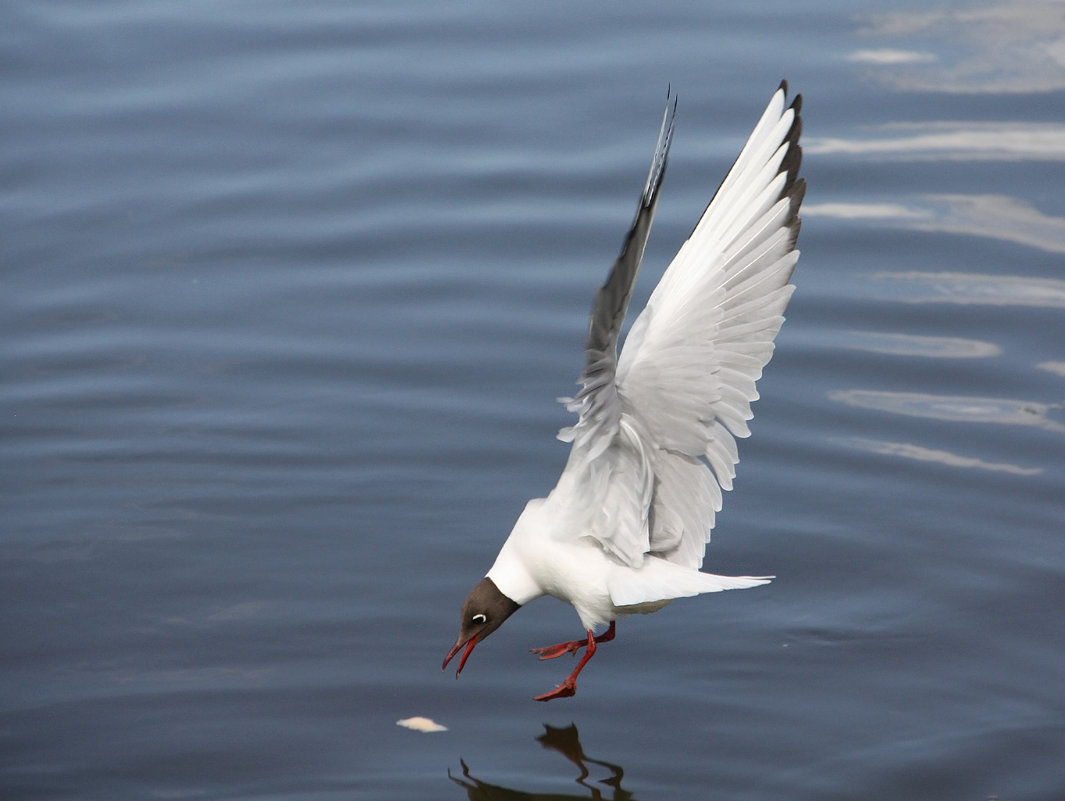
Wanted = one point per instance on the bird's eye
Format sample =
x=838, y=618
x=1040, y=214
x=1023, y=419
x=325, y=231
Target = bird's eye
x=480, y=618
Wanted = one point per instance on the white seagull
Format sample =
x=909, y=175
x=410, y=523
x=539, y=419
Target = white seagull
x=626, y=527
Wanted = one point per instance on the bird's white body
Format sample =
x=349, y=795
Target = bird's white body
x=542, y=557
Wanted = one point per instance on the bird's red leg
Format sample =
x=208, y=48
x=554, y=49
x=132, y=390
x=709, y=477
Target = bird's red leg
x=571, y=647
x=569, y=686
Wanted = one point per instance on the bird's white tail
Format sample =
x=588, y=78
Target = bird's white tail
x=659, y=580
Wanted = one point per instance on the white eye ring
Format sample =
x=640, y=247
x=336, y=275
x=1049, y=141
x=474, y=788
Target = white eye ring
x=480, y=618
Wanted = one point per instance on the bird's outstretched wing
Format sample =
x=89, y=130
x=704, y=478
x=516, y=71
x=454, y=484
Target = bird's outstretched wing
x=597, y=402
x=681, y=393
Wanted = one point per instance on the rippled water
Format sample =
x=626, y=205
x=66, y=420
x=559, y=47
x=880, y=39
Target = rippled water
x=289, y=290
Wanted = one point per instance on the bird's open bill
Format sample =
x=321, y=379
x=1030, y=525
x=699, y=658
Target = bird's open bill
x=465, y=655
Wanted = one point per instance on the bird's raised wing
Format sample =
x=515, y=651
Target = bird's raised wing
x=690, y=363
x=597, y=402
x=651, y=422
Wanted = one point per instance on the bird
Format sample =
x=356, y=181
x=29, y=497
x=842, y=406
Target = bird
x=625, y=529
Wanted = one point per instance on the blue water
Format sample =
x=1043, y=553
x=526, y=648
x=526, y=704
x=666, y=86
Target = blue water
x=288, y=291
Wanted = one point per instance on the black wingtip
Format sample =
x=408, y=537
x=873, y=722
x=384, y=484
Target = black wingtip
x=796, y=102
x=795, y=194
x=793, y=159
x=794, y=187
x=669, y=94
x=661, y=154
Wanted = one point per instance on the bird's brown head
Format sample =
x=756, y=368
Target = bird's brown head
x=483, y=611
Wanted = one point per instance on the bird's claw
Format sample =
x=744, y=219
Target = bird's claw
x=566, y=689
x=553, y=651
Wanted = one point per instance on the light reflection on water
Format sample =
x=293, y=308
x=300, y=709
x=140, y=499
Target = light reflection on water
x=923, y=454
x=993, y=216
x=958, y=409
x=923, y=346
x=971, y=48
x=968, y=140
x=1058, y=368
x=974, y=288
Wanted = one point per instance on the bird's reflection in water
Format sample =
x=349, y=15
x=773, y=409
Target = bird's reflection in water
x=567, y=742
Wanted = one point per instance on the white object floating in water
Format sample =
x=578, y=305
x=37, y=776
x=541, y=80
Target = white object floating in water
x=421, y=724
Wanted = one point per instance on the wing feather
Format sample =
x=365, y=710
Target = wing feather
x=717, y=310
x=597, y=402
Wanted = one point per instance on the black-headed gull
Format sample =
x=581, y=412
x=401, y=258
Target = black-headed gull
x=625, y=529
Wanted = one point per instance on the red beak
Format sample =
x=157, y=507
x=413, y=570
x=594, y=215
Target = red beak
x=466, y=654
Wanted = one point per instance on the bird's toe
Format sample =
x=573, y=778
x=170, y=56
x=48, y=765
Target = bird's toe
x=565, y=690
x=553, y=651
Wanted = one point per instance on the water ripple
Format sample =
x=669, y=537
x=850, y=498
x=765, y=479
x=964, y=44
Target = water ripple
x=1058, y=368
x=921, y=454
x=914, y=345
x=1001, y=47
x=990, y=216
x=974, y=288
x=956, y=140
x=956, y=408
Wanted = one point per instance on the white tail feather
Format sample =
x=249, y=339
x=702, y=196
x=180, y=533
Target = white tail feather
x=659, y=580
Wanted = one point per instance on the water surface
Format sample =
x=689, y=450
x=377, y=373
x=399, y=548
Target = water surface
x=288, y=294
